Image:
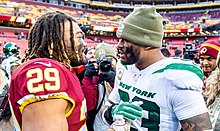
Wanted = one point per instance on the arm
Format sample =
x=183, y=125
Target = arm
x=190, y=109
x=197, y=123
x=90, y=91
x=47, y=115
x=89, y=86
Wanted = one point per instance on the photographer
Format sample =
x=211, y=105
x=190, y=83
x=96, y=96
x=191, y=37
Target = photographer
x=98, y=83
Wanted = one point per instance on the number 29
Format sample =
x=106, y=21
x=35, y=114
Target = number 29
x=34, y=85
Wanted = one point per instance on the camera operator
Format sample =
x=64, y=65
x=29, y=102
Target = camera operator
x=98, y=83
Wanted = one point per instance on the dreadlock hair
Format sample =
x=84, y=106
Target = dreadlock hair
x=46, y=38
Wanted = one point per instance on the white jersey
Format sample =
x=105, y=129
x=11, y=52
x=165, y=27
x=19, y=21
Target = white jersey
x=8, y=62
x=170, y=90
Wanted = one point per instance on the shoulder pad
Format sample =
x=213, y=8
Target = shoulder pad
x=184, y=74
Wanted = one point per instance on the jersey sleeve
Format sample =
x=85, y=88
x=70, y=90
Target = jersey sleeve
x=186, y=95
x=187, y=103
x=37, y=82
x=186, y=76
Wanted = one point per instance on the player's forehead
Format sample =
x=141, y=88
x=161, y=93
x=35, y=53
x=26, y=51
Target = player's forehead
x=76, y=28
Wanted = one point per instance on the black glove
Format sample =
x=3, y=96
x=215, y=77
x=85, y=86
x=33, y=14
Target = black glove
x=109, y=77
x=91, y=70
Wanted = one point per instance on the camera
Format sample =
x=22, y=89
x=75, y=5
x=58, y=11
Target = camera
x=105, y=64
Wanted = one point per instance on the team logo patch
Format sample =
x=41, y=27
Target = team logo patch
x=146, y=36
x=120, y=73
x=119, y=31
x=203, y=50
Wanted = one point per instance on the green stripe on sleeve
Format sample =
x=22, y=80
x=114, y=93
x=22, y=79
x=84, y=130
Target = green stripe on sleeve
x=126, y=67
x=177, y=66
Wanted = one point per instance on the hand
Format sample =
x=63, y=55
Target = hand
x=120, y=124
x=109, y=77
x=91, y=70
x=129, y=110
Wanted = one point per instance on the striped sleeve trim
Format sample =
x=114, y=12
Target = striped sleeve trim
x=28, y=99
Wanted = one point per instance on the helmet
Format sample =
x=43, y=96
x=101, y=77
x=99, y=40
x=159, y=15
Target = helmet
x=10, y=49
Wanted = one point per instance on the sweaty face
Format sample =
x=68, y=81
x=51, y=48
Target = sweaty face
x=129, y=53
x=208, y=63
x=74, y=50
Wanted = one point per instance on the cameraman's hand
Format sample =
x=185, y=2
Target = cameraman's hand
x=109, y=77
x=129, y=110
x=91, y=70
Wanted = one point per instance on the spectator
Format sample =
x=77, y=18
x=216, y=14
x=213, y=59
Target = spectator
x=208, y=52
x=212, y=96
x=98, y=83
x=165, y=52
x=154, y=92
x=90, y=54
x=178, y=53
x=44, y=94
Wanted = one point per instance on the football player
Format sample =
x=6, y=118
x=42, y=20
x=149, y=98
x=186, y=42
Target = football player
x=44, y=94
x=12, y=58
x=169, y=88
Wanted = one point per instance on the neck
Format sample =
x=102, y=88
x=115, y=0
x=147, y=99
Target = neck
x=149, y=59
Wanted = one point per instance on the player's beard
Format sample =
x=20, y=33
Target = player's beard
x=77, y=61
x=132, y=55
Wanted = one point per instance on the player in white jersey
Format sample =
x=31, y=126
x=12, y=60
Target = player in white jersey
x=11, y=51
x=169, y=88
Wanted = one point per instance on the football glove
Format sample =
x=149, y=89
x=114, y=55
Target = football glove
x=129, y=110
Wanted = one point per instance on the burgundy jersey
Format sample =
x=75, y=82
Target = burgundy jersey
x=42, y=79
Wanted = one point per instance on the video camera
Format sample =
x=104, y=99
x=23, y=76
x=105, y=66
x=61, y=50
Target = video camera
x=190, y=52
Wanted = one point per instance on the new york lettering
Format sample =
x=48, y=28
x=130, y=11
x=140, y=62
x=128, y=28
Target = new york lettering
x=137, y=91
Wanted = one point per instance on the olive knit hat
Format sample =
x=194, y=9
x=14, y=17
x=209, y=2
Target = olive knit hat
x=104, y=49
x=143, y=26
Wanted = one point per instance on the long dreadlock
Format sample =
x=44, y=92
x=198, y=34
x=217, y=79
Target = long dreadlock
x=46, y=38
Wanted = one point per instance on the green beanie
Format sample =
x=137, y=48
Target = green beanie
x=104, y=49
x=143, y=26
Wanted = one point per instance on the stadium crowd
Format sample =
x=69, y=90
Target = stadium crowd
x=60, y=83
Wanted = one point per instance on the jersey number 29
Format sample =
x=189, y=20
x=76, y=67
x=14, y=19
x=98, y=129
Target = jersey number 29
x=34, y=85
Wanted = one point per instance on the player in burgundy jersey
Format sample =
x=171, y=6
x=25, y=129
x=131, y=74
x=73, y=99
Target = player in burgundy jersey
x=44, y=93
